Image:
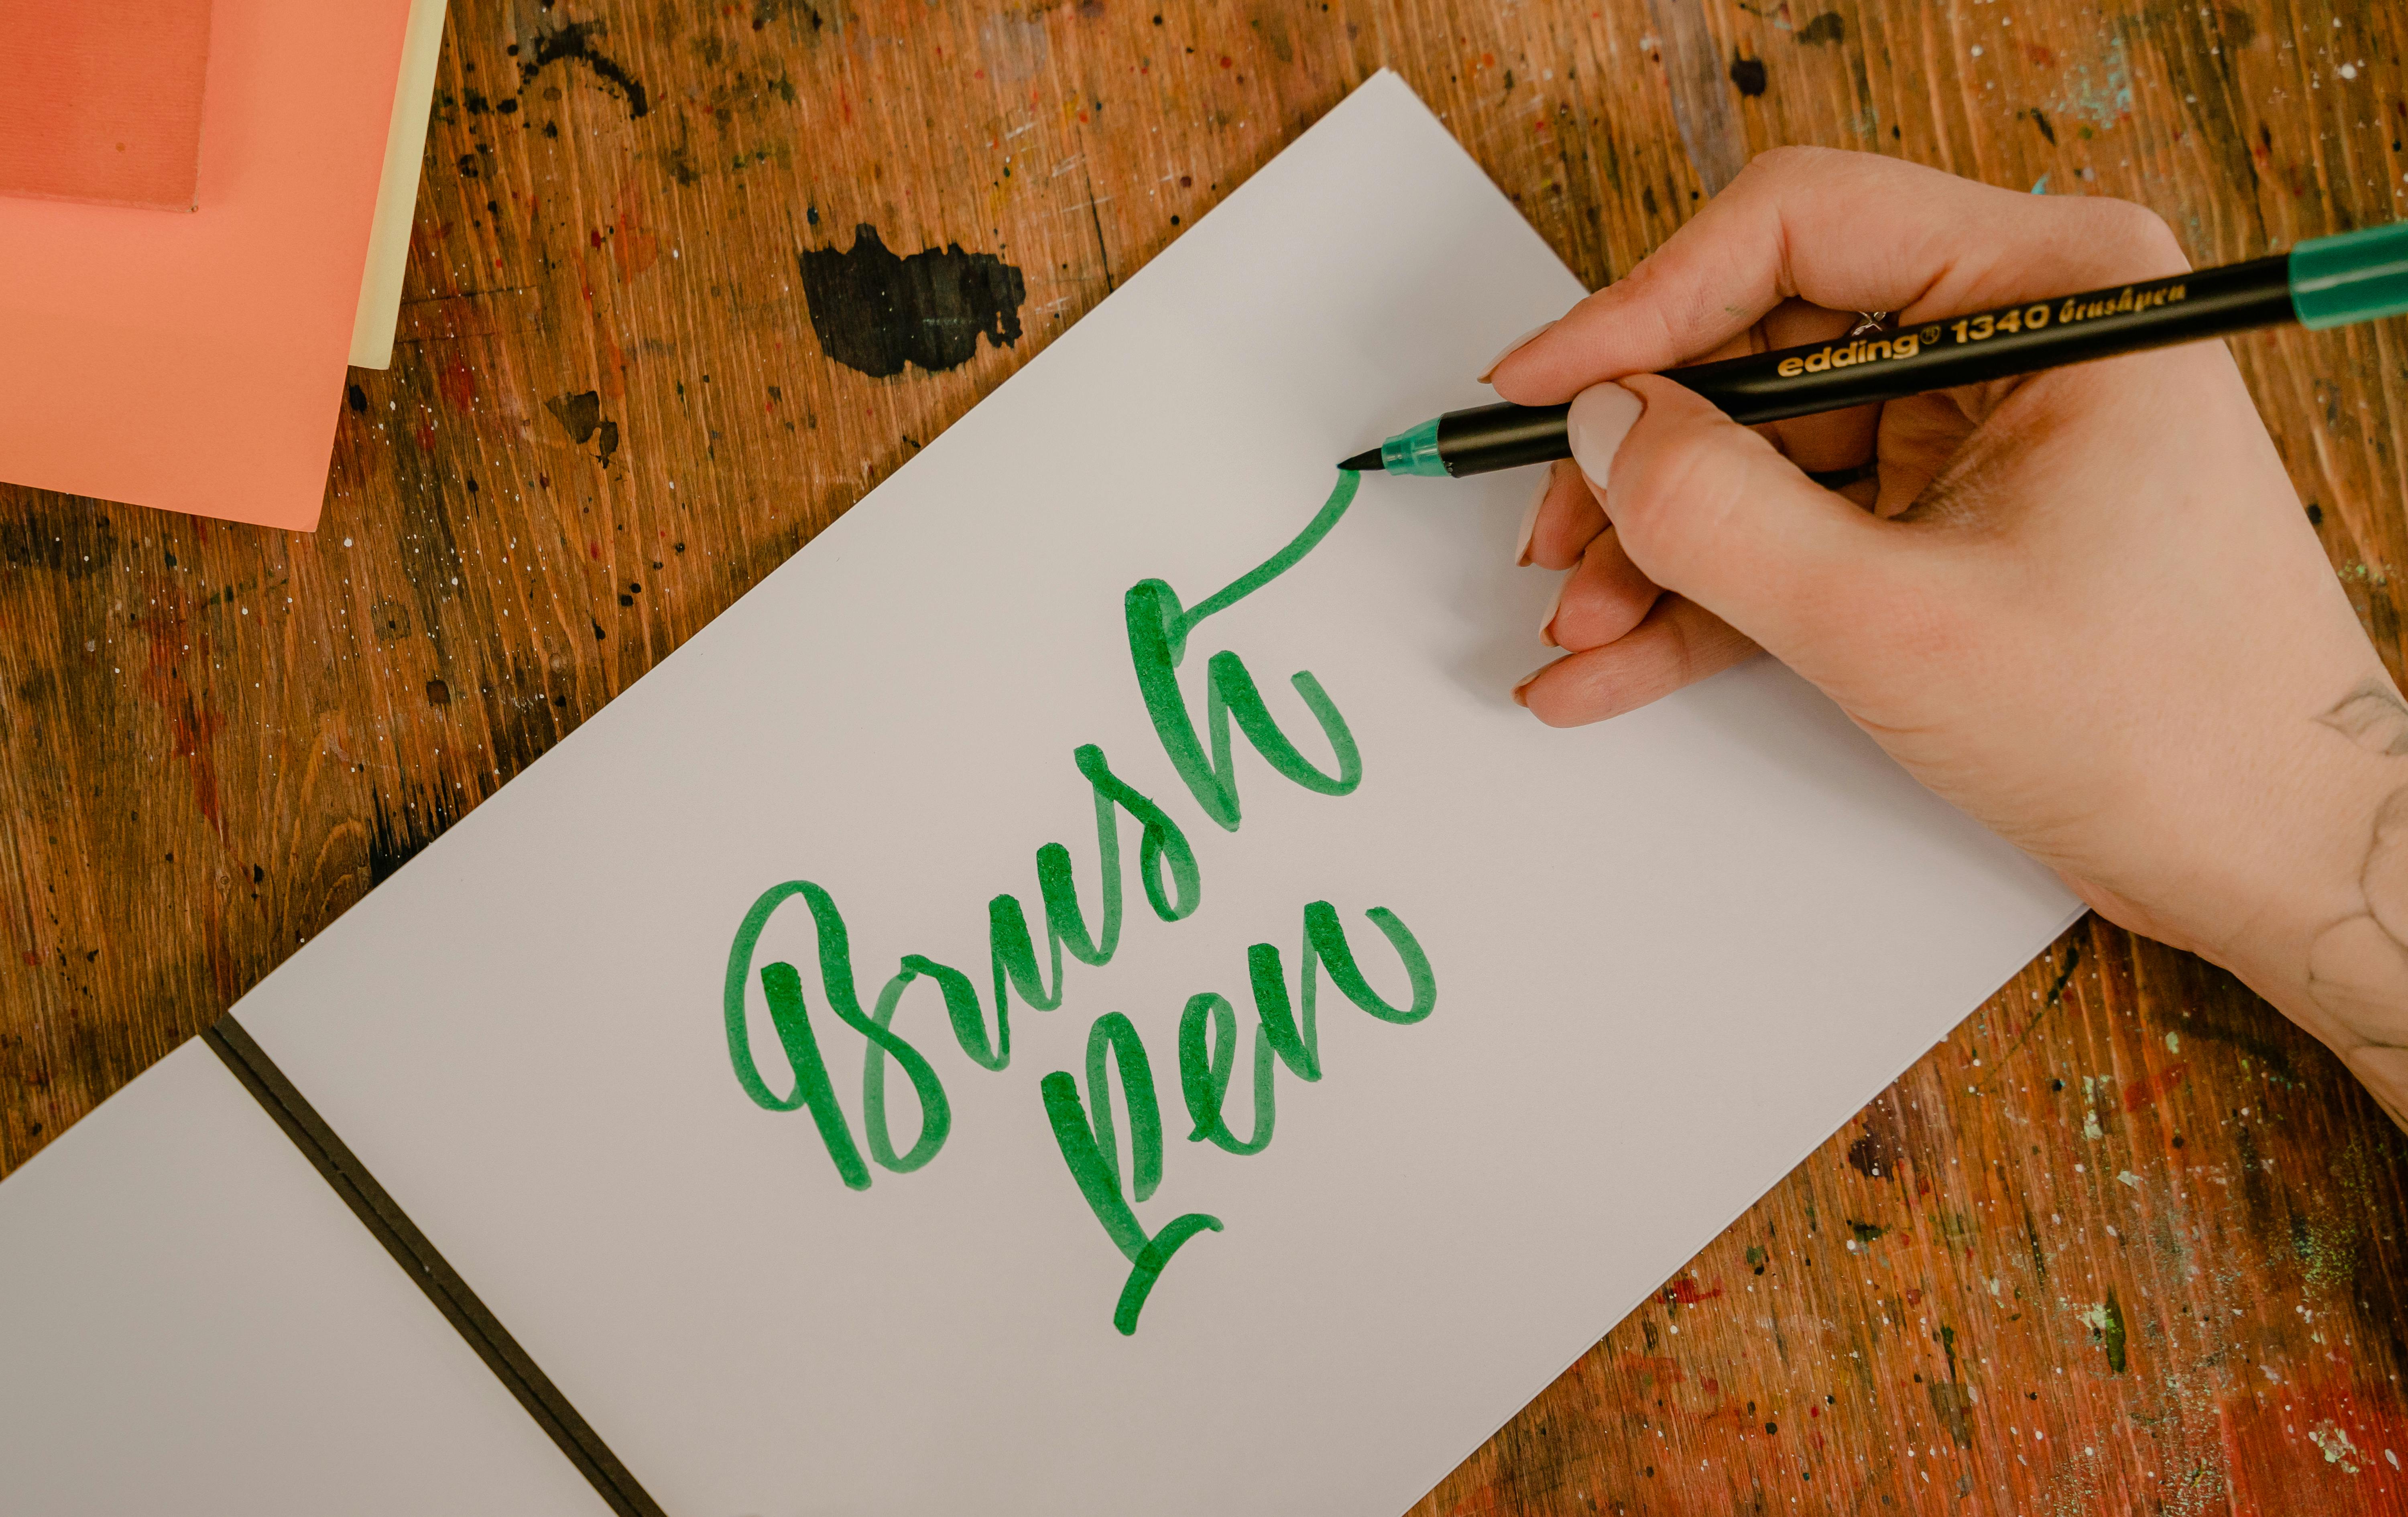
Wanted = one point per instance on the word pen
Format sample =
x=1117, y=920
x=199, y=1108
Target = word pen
x=2323, y=283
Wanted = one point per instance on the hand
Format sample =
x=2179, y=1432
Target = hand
x=2083, y=606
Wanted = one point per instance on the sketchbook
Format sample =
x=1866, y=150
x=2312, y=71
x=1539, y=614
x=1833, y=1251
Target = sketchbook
x=195, y=361
x=1080, y=992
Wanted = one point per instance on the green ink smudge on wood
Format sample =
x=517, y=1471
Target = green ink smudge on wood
x=2106, y=1322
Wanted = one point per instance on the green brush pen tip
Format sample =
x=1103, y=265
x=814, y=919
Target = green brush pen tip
x=1365, y=462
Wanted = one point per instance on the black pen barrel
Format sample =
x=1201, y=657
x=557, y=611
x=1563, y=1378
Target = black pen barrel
x=1997, y=343
x=1895, y=362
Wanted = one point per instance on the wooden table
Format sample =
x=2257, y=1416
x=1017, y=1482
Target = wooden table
x=2125, y=1242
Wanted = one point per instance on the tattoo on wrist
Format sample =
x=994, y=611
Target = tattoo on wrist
x=2358, y=968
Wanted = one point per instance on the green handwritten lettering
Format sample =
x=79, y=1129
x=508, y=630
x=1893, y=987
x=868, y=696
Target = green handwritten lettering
x=1090, y=1150
x=1158, y=630
x=782, y=986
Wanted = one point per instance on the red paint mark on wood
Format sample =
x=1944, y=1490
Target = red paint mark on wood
x=192, y=726
x=1651, y=1370
x=1684, y=1292
x=2144, y=1092
x=2039, y=57
x=612, y=380
x=2321, y=1447
x=457, y=383
x=634, y=246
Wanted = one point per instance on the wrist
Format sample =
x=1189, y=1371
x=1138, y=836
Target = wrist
x=2322, y=929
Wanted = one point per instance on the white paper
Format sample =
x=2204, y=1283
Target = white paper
x=1673, y=952
x=191, y=1322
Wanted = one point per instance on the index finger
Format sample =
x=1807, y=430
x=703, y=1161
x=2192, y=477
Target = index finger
x=1848, y=231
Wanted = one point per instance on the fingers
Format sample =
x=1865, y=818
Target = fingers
x=1846, y=232
x=1677, y=644
x=1830, y=440
x=1602, y=598
x=1708, y=510
x=1565, y=518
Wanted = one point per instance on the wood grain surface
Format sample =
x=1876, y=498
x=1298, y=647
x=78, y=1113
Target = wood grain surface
x=2126, y=1242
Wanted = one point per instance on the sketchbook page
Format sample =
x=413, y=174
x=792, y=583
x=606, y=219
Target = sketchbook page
x=1664, y=956
x=191, y=1322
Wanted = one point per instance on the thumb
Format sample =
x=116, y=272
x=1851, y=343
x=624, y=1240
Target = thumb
x=1708, y=510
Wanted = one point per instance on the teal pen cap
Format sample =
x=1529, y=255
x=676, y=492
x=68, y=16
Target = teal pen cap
x=2351, y=277
x=1469, y=442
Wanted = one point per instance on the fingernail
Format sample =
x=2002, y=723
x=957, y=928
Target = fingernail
x=1512, y=347
x=1602, y=416
x=1519, y=698
x=1530, y=517
x=1554, y=607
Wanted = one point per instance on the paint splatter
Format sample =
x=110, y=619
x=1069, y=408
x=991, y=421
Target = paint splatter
x=581, y=417
x=1954, y=1406
x=2106, y=1323
x=73, y=543
x=1872, y=1156
x=635, y=246
x=2099, y=93
x=574, y=43
x=1824, y=29
x=393, y=841
x=875, y=311
x=1748, y=75
x=2143, y=1093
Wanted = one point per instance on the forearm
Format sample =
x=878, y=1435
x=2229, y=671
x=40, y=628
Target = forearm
x=2340, y=966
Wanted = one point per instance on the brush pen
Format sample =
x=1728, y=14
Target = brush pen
x=2323, y=283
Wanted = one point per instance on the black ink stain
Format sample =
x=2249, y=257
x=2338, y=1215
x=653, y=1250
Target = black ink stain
x=1825, y=29
x=1748, y=75
x=875, y=312
x=2065, y=976
x=73, y=543
x=2040, y=118
x=578, y=415
x=394, y=841
x=682, y=164
x=574, y=42
x=765, y=11
x=356, y=397
x=1872, y=1158
x=1953, y=1404
x=581, y=417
